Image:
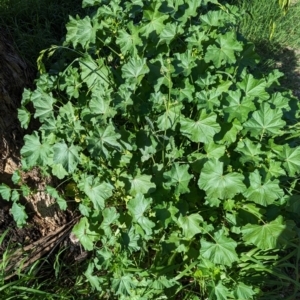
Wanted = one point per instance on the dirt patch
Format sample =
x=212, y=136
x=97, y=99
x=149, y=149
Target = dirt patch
x=16, y=236
x=46, y=222
x=289, y=64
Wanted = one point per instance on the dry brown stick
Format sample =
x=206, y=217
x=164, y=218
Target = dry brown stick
x=22, y=258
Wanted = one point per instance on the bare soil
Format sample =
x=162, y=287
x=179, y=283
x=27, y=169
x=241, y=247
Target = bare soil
x=46, y=221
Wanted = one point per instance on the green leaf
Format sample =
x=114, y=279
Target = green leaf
x=293, y=204
x=264, y=236
x=59, y=171
x=220, y=185
x=24, y=117
x=43, y=104
x=34, y=152
x=291, y=158
x=100, y=105
x=250, y=151
x=82, y=232
x=130, y=239
x=243, y=291
x=15, y=196
x=84, y=210
x=205, y=80
x=16, y=177
x=103, y=259
x=129, y=41
x=225, y=51
x=110, y=215
x=185, y=63
x=19, y=214
x=149, y=151
x=62, y=203
x=71, y=82
x=168, y=34
x=190, y=225
x=263, y=193
x=93, y=279
x=163, y=282
x=137, y=208
x=238, y=107
x=97, y=192
x=219, y=292
x=25, y=190
x=221, y=250
x=51, y=125
x=94, y=73
x=124, y=98
x=5, y=191
x=80, y=31
x=154, y=20
x=210, y=99
x=254, y=88
x=196, y=40
x=212, y=202
x=202, y=130
x=161, y=69
x=265, y=121
x=87, y=3
x=191, y=10
x=185, y=92
x=274, y=170
x=213, y=18
x=68, y=157
x=135, y=69
x=26, y=96
x=178, y=177
x=229, y=132
x=123, y=285
x=141, y=184
x=67, y=112
x=279, y=101
x=214, y=150
x=102, y=140
x=170, y=117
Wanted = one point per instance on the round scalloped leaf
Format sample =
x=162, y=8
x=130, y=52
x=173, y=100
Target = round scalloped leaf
x=216, y=184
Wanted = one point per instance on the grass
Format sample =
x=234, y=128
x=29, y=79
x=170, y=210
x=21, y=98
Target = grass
x=265, y=21
x=49, y=278
x=276, y=36
x=34, y=25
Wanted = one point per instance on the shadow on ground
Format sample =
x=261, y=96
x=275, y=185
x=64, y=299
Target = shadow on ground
x=286, y=59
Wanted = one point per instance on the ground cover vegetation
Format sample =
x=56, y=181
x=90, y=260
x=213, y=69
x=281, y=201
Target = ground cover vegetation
x=274, y=26
x=36, y=24
x=275, y=36
x=182, y=158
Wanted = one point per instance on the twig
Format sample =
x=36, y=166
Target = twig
x=22, y=258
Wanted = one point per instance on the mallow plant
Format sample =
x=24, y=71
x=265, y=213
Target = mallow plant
x=182, y=159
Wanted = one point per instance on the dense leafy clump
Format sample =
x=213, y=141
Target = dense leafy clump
x=181, y=159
